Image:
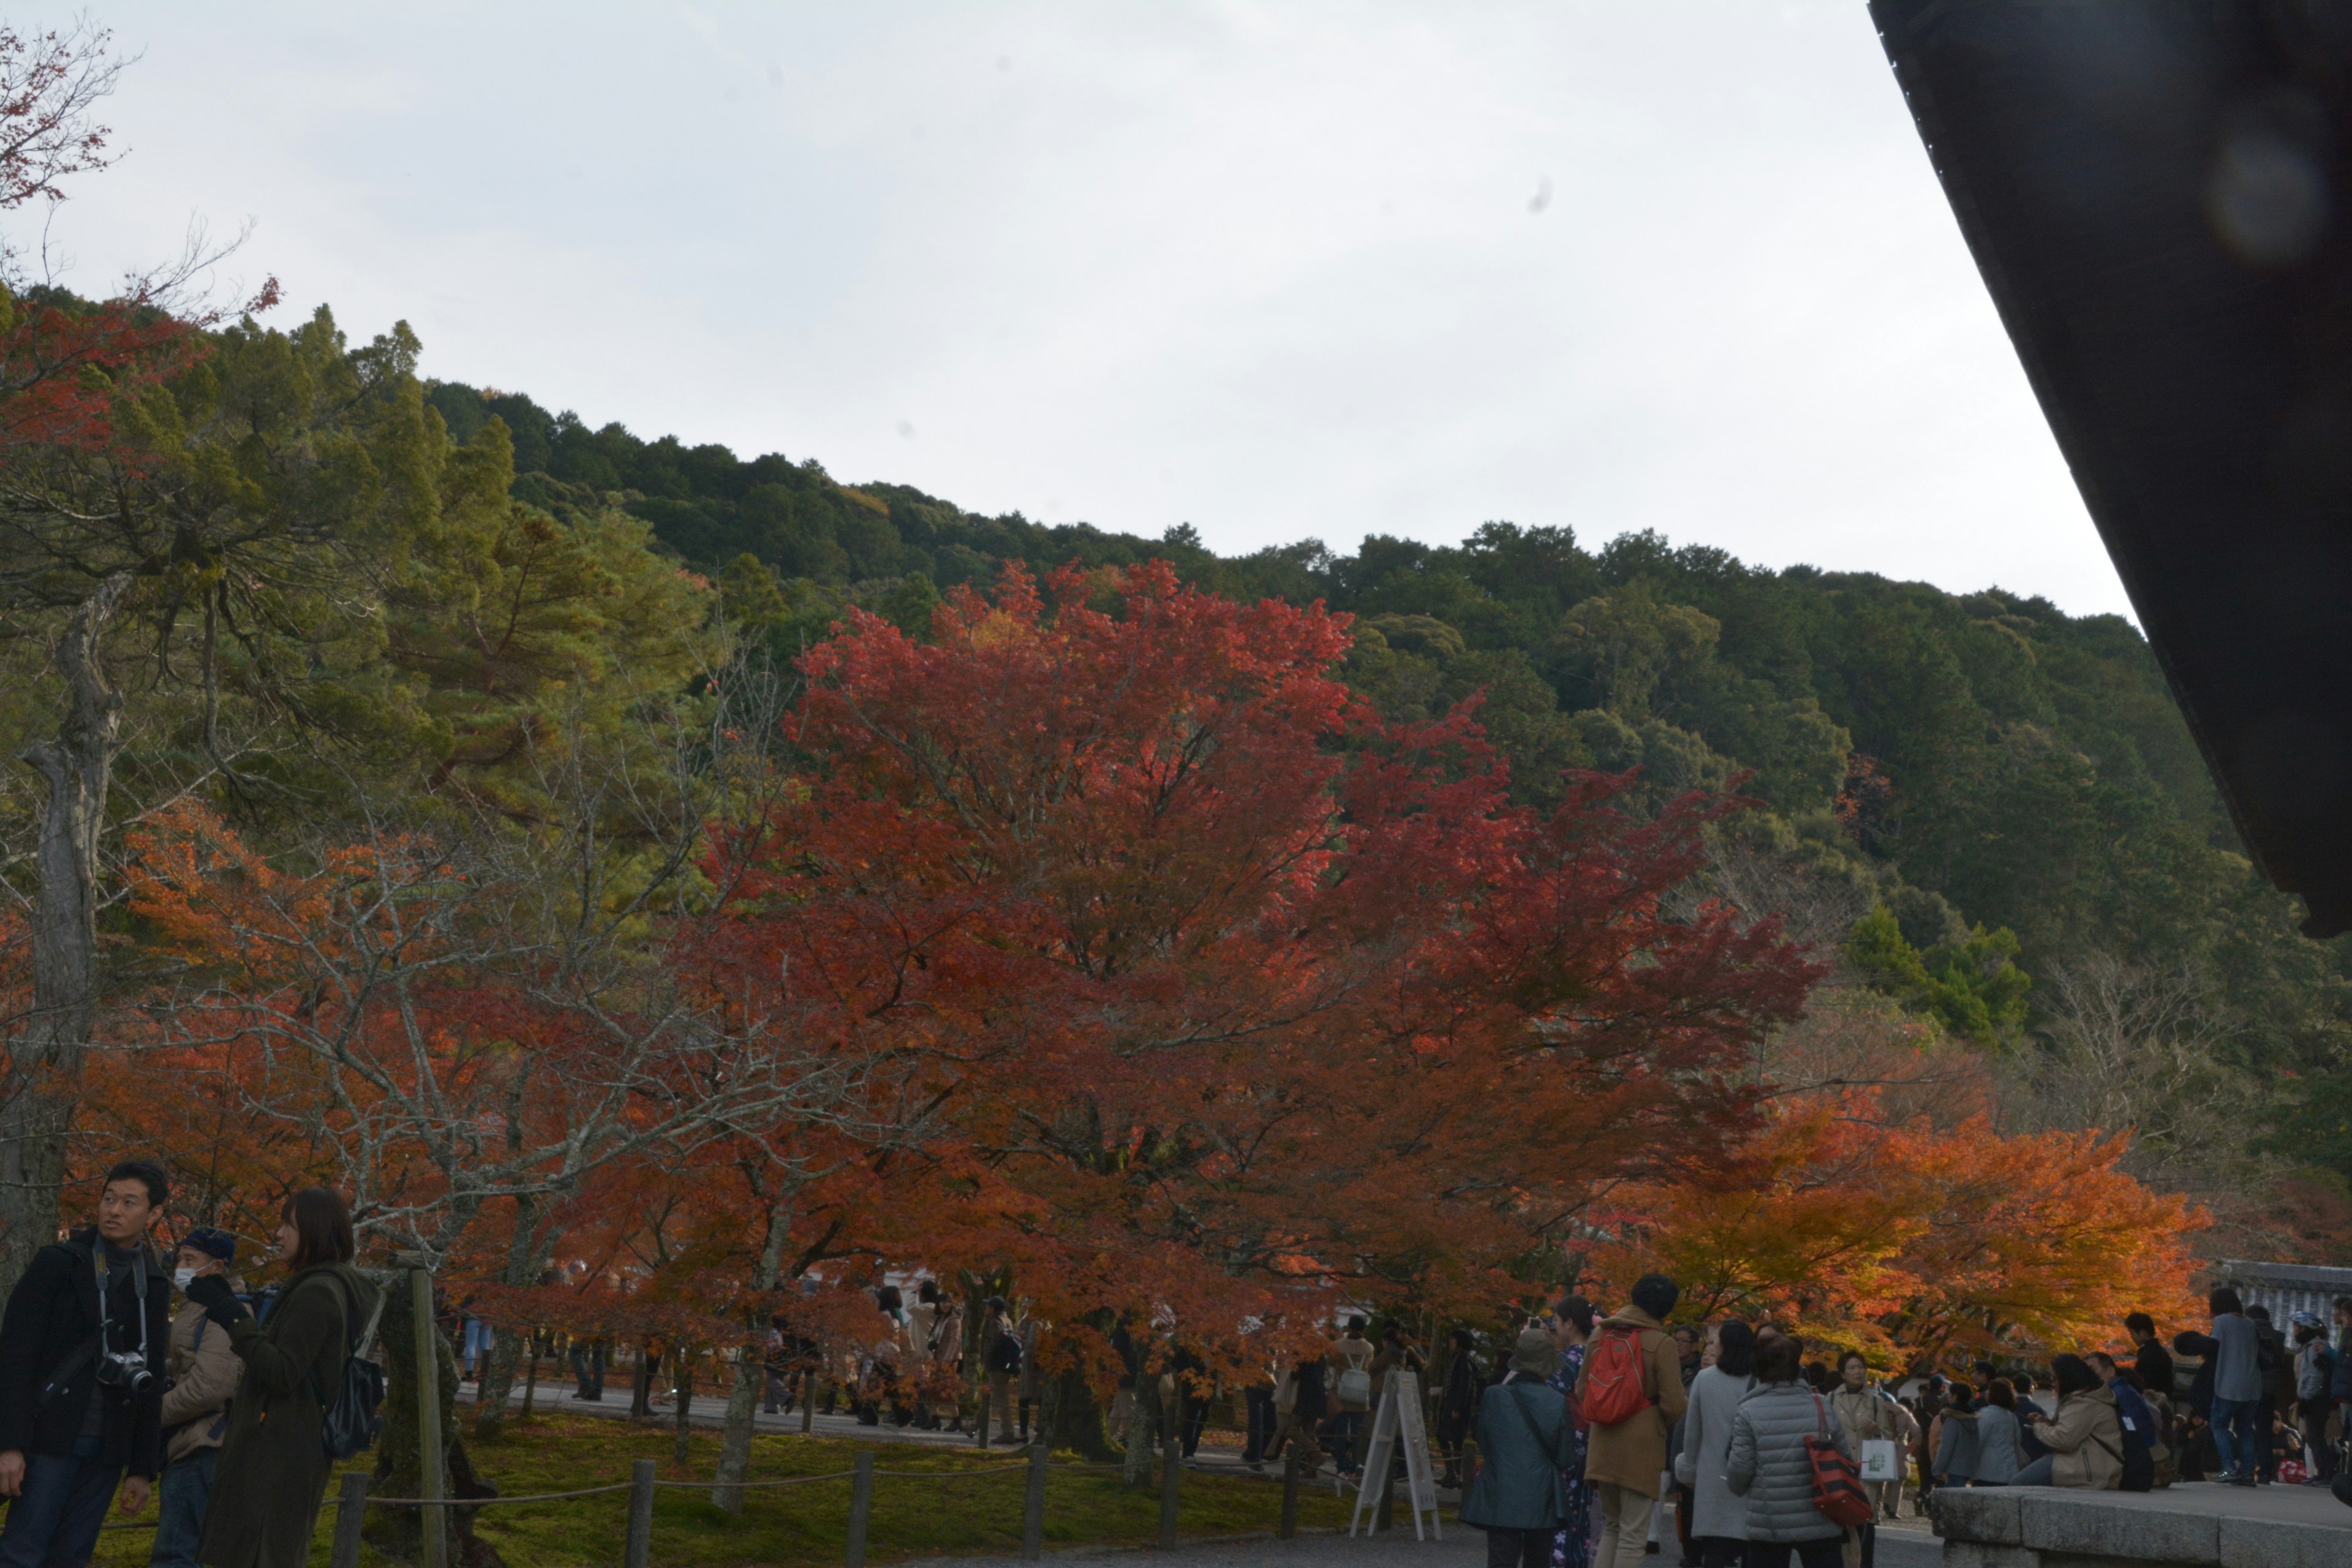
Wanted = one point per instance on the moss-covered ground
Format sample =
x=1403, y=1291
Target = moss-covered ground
x=960, y=1502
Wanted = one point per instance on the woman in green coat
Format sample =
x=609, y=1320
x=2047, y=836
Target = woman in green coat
x=1526, y=1440
x=273, y=1465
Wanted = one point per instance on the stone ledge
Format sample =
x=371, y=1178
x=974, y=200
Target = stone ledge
x=2272, y=1543
x=1982, y=1515
x=2191, y=1527
x=1974, y=1555
x=2087, y=1525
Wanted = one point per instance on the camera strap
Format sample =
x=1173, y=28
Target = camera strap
x=138, y=1285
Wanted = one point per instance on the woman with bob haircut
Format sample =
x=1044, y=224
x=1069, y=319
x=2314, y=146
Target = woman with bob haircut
x=1719, y=1518
x=273, y=1465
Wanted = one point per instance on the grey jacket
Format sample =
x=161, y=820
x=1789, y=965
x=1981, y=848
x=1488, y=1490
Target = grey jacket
x=1526, y=1440
x=1715, y=1396
x=2236, y=1373
x=1955, y=1434
x=1999, y=1455
x=1767, y=1464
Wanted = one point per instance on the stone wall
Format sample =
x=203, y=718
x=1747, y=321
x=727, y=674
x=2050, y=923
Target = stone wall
x=2199, y=1527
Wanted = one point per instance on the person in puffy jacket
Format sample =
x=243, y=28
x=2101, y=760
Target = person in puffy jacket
x=1767, y=1464
x=2086, y=1441
x=1525, y=1438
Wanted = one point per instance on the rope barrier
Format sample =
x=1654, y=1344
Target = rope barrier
x=486, y=1501
x=747, y=1486
x=990, y=1471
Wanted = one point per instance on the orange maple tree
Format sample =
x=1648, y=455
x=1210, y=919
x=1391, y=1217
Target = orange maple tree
x=1911, y=1236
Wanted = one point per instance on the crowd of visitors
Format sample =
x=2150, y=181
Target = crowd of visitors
x=1772, y=1454
x=1563, y=1454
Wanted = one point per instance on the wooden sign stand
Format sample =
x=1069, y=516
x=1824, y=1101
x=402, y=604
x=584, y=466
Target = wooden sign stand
x=1399, y=1420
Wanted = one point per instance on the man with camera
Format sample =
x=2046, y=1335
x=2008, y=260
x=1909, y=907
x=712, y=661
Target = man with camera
x=82, y=1391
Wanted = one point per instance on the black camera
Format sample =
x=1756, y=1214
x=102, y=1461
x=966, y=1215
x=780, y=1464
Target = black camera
x=126, y=1369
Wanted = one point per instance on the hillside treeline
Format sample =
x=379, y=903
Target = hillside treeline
x=1993, y=808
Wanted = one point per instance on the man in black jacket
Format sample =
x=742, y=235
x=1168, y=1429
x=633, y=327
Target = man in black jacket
x=81, y=1385
x=2154, y=1363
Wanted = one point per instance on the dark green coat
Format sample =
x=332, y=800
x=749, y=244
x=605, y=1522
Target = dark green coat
x=1525, y=1438
x=273, y=1472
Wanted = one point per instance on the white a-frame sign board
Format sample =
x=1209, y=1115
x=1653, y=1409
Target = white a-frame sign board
x=1398, y=1420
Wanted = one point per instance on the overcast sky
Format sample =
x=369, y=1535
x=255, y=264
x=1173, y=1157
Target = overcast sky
x=1273, y=269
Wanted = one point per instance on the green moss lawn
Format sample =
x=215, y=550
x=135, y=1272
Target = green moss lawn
x=932, y=1514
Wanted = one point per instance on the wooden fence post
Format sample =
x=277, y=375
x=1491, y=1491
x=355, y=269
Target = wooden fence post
x=1288, y=1529
x=1171, y=1470
x=861, y=1508
x=809, y=1381
x=1033, y=1507
x=432, y=1458
x=980, y=1434
x=351, y=1511
x=641, y=1514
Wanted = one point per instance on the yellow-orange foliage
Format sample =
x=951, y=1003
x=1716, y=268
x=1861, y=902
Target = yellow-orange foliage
x=1907, y=1238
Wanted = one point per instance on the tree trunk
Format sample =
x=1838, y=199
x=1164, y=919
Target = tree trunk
x=399, y=1468
x=682, y=1371
x=526, y=1256
x=1143, y=1424
x=1075, y=1421
x=751, y=1372
x=641, y=1385
x=39, y=1090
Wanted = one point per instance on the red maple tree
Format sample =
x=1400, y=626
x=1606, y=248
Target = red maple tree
x=1230, y=996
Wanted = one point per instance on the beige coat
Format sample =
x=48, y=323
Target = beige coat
x=202, y=1377
x=1632, y=1452
x=2088, y=1440
x=1866, y=1413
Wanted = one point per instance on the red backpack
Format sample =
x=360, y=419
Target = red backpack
x=1613, y=1380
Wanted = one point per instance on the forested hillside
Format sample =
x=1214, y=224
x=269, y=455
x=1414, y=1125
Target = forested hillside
x=1993, y=806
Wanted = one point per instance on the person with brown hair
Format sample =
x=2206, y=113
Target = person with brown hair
x=2085, y=1443
x=273, y=1464
x=2000, y=1454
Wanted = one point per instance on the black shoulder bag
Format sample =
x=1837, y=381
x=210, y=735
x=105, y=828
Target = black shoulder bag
x=350, y=1423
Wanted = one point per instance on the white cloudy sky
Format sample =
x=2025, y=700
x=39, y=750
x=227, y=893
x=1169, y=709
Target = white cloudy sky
x=1277, y=270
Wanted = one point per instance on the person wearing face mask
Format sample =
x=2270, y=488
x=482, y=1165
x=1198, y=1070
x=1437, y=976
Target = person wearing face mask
x=202, y=1370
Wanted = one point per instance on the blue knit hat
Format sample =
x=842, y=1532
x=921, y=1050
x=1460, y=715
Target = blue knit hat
x=219, y=1243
